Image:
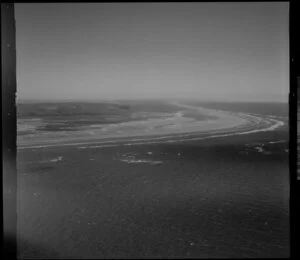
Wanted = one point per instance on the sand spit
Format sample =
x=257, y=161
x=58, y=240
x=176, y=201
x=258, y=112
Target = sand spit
x=176, y=128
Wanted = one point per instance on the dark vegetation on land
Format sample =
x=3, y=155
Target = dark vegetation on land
x=67, y=116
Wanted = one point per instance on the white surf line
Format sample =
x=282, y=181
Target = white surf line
x=137, y=139
x=219, y=131
x=141, y=139
x=178, y=135
x=278, y=124
x=66, y=144
x=271, y=128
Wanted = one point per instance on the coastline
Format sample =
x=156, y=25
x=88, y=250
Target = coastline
x=170, y=129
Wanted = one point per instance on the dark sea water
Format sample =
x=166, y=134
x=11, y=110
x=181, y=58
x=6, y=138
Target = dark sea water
x=222, y=197
x=276, y=109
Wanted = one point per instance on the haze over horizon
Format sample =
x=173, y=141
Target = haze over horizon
x=107, y=51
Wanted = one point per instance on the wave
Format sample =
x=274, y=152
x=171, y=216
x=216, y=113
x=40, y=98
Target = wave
x=146, y=141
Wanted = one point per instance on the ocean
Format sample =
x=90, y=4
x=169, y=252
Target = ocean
x=221, y=196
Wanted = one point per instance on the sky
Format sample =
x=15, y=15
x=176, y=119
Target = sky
x=206, y=51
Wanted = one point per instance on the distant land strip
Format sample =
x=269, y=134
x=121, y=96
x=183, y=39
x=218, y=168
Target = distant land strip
x=268, y=124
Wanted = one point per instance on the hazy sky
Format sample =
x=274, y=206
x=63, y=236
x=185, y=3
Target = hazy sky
x=222, y=51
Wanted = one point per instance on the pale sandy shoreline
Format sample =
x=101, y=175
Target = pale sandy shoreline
x=176, y=125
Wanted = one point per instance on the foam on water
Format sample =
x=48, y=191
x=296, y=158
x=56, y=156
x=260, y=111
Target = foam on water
x=57, y=159
x=277, y=142
x=140, y=161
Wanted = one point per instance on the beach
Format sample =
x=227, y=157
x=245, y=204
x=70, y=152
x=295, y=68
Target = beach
x=165, y=126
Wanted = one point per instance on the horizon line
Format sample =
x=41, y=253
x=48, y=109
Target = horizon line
x=33, y=100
